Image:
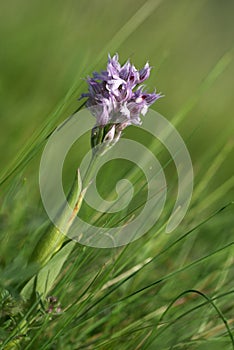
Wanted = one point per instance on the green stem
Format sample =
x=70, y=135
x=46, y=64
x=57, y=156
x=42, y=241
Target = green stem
x=53, y=239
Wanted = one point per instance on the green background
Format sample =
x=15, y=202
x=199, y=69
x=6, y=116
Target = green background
x=46, y=47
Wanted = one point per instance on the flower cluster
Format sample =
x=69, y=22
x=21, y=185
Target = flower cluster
x=53, y=305
x=117, y=99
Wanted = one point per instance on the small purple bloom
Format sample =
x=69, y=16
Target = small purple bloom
x=115, y=97
x=53, y=306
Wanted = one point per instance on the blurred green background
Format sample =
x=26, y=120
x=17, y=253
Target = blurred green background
x=49, y=46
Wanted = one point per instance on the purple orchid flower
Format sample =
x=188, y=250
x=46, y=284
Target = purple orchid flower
x=116, y=99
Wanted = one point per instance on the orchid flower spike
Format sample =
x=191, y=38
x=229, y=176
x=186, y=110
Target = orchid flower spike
x=115, y=98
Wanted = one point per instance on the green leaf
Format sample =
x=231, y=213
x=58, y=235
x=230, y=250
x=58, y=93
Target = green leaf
x=45, y=279
x=53, y=239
